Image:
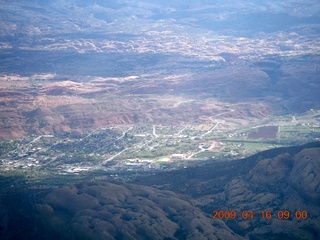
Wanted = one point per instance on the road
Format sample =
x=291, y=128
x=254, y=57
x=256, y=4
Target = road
x=124, y=133
x=122, y=136
x=213, y=128
x=154, y=131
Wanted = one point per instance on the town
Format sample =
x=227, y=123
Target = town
x=122, y=149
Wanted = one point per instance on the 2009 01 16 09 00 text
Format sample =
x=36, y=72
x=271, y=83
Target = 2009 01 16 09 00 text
x=263, y=214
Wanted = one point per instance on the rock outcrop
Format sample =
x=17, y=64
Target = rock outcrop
x=178, y=204
x=275, y=180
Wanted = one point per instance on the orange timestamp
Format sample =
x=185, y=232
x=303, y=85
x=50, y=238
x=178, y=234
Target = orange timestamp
x=264, y=214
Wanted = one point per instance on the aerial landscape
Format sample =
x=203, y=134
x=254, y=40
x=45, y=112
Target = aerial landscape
x=153, y=119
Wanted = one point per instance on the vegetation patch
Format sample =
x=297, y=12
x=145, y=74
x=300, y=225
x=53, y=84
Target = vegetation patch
x=265, y=132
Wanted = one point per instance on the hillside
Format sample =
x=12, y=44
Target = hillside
x=180, y=204
x=276, y=180
x=134, y=62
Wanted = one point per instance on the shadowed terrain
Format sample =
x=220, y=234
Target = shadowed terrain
x=103, y=210
x=279, y=179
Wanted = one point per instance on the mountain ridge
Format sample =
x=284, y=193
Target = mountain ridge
x=274, y=181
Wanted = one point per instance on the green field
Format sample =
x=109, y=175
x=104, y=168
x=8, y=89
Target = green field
x=208, y=154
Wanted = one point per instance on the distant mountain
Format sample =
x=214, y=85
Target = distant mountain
x=276, y=182
x=78, y=65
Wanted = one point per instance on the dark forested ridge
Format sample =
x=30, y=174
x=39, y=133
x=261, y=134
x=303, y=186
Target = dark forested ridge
x=275, y=180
